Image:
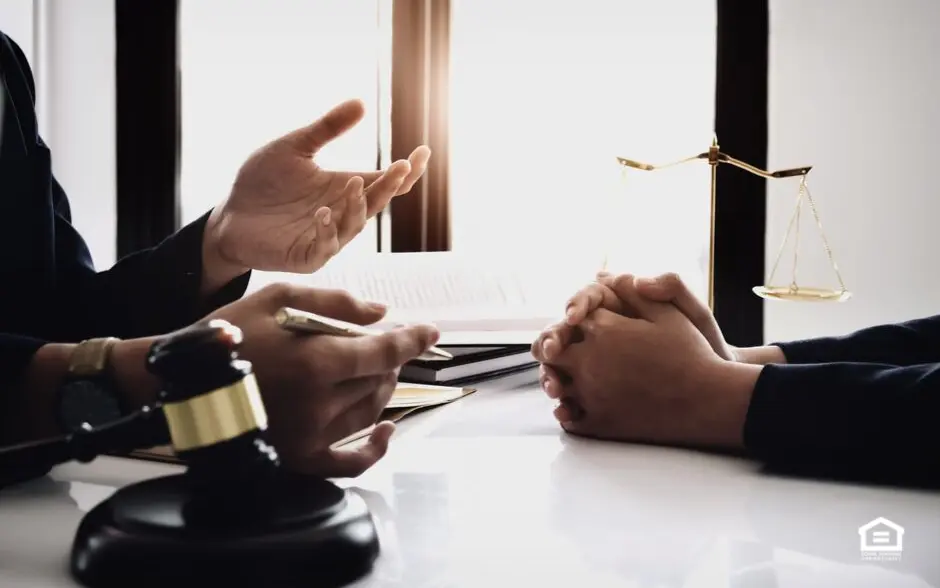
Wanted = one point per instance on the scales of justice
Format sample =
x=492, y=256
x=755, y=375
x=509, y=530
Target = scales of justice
x=792, y=291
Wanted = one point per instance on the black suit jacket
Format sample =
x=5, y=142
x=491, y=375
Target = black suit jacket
x=866, y=404
x=49, y=287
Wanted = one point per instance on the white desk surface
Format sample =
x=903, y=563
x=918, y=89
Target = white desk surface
x=488, y=492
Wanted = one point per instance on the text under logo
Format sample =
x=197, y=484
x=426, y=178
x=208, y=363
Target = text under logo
x=881, y=540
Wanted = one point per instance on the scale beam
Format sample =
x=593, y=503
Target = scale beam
x=793, y=291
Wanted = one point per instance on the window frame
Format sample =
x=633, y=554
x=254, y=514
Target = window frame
x=148, y=122
x=419, y=116
x=741, y=124
x=148, y=171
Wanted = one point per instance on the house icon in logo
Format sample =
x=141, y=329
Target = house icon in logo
x=881, y=536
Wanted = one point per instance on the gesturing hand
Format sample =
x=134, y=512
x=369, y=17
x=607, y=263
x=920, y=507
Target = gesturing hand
x=318, y=389
x=286, y=213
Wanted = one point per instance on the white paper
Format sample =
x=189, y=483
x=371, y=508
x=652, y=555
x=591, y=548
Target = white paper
x=472, y=300
x=413, y=395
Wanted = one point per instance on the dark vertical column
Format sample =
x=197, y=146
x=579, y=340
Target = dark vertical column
x=420, y=115
x=741, y=125
x=148, y=122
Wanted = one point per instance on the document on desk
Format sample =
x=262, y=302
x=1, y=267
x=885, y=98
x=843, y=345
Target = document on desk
x=472, y=300
x=406, y=400
x=409, y=399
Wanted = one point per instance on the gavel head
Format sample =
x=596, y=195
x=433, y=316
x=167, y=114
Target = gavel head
x=211, y=402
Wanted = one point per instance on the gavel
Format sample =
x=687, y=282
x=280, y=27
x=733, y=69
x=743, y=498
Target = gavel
x=236, y=515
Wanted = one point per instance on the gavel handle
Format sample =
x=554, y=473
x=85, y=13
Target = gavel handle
x=142, y=429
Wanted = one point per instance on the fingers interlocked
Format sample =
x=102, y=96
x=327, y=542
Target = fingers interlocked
x=608, y=296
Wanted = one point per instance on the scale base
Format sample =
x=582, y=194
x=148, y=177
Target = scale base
x=297, y=531
x=801, y=294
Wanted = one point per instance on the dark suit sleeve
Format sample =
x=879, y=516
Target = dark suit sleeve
x=150, y=292
x=52, y=288
x=49, y=288
x=848, y=418
x=908, y=343
x=15, y=354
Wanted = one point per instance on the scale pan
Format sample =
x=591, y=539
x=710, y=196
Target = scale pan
x=801, y=294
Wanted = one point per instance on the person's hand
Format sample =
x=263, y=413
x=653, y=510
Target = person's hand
x=671, y=288
x=598, y=294
x=318, y=389
x=621, y=294
x=652, y=379
x=615, y=293
x=286, y=213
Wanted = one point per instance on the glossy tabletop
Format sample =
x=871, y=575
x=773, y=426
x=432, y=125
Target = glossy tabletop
x=489, y=492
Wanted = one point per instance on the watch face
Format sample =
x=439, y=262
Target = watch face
x=87, y=401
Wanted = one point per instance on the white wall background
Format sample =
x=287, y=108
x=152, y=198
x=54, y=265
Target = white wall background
x=854, y=92
x=305, y=58
x=16, y=20
x=70, y=46
x=540, y=109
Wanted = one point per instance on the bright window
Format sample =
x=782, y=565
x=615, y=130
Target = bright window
x=253, y=71
x=545, y=95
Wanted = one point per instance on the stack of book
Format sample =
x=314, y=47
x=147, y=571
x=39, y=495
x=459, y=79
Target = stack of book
x=488, y=311
x=470, y=364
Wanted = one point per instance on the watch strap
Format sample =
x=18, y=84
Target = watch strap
x=90, y=358
x=88, y=396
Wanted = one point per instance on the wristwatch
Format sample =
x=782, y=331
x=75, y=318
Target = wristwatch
x=89, y=396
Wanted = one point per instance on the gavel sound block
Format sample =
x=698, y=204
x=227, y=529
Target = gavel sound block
x=235, y=517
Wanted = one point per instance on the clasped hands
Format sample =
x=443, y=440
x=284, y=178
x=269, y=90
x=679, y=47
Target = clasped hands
x=634, y=360
x=642, y=359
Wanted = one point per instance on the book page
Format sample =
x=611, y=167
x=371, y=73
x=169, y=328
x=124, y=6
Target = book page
x=415, y=395
x=484, y=300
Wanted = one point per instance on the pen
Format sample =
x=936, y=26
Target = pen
x=300, y=321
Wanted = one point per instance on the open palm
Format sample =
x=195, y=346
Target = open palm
x=286, y=213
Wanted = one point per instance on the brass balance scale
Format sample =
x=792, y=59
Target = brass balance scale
x=793, y=291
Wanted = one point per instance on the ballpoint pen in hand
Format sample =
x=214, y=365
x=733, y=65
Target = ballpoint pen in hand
x=301, y=321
